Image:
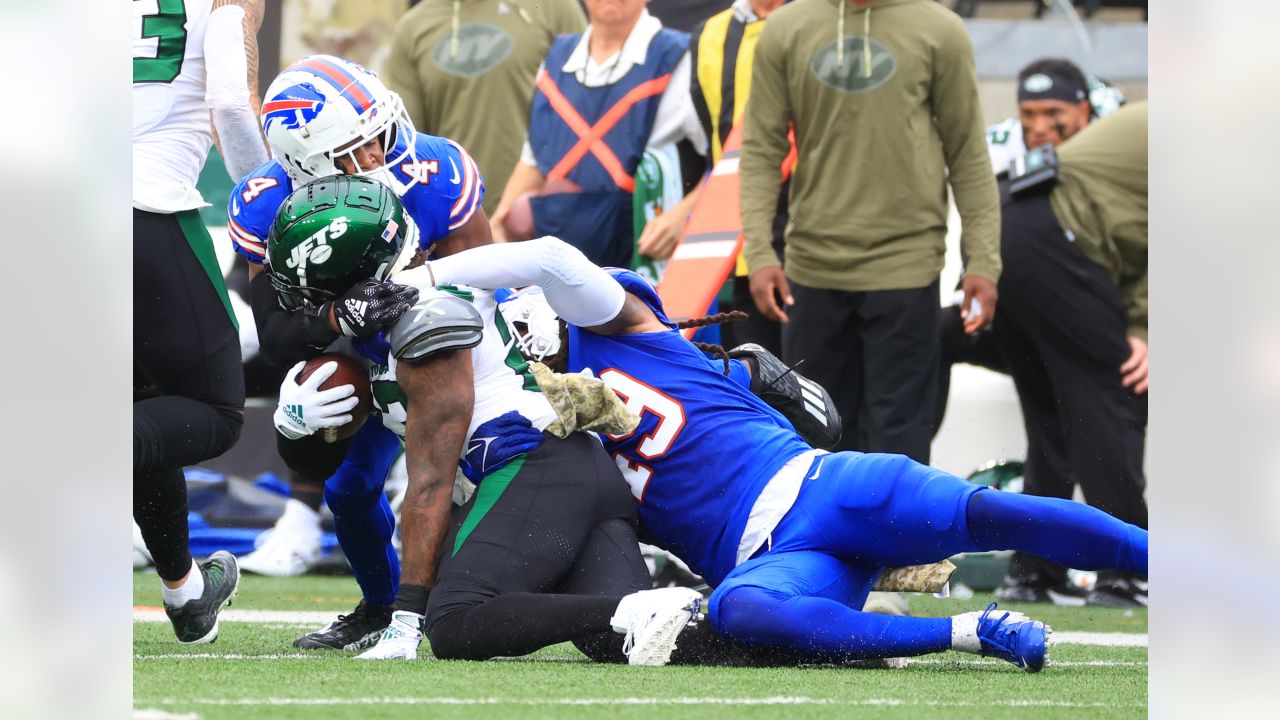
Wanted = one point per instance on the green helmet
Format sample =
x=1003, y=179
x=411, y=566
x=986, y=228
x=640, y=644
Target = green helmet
x=333, y=233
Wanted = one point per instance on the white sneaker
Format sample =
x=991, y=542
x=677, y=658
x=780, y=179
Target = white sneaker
x=652, y=620
x=400, y=640
x=292, y=547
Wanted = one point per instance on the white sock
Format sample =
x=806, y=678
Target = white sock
x=964, y=633
x=192, y=589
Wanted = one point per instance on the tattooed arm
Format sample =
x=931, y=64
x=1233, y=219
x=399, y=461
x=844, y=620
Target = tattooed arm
x=231, y=63
x=441, y=394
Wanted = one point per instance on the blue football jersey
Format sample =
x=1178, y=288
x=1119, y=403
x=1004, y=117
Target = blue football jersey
x=705, y=446
x=442, y=190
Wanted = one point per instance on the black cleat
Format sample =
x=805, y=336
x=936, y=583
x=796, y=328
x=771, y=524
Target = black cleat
x=1041, y=590
x=1114, y=590
x=357, y=631
x=196, y=622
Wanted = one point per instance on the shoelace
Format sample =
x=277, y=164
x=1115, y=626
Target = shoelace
x=998, y=632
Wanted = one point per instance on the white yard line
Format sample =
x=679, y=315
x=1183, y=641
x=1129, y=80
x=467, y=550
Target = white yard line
x=780, y=700
x=1099, y=638
x=288, y=618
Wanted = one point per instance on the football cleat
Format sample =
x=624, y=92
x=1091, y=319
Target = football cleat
x=1041, y=590
x=1116, y=590
x=1009, y=636
x=196, y=622
x=290, y=548
x=357, y=631
x=652, y=621
x=400, y=639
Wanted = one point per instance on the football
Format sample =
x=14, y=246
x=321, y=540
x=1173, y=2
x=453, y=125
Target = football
x=350, y=372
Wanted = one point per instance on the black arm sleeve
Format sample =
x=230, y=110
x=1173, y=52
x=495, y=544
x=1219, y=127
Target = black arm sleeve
x=286, y=337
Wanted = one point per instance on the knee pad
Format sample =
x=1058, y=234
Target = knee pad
x=741, y=614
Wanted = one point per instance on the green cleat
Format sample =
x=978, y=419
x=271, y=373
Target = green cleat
x=196, y=622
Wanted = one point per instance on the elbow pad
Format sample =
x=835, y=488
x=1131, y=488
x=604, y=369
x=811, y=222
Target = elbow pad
x=803, y=402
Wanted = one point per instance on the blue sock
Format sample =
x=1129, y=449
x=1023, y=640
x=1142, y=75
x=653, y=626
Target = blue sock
x=362, y=516
x=1063, y=531
x=825, y=628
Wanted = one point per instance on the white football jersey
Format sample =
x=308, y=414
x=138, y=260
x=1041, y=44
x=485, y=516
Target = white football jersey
x=1004, y=144
x=503, y=381
x=171, y=126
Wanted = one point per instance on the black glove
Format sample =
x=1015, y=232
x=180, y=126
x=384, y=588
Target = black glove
x=371, y=306
x=802, y=401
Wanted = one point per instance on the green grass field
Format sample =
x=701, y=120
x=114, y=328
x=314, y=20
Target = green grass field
x=252, y=671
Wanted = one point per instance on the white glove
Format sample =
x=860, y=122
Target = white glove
x=304, y=408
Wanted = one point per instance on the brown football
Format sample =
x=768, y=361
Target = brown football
x=350, y=372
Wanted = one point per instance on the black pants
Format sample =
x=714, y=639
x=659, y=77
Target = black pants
x=187, y=350
x=877, y=354
x=1062, y=331
x=563, y=524
x=957, y=346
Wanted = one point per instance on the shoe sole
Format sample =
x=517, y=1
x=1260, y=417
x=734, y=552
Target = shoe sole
x=655, y=649
x=212, y=636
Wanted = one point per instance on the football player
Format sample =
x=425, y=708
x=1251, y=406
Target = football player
x=326, y=116
x=792, y=538
x=1056, y=100
x=190, y=59
x=550, y=515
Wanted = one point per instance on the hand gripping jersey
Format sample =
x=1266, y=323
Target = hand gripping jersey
x=503, y=382
x=171, y=126
x=705, y=446
x=438, y=182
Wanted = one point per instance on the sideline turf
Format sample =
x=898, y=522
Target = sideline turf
x=951, y=685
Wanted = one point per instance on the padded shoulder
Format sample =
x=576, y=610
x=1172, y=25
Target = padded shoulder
x=438, y=322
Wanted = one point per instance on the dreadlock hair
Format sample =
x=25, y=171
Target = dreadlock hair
x=705, y=320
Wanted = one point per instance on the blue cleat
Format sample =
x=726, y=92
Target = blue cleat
x=1013, y=637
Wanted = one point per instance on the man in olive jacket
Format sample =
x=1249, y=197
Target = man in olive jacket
x=883, y=98
x=1073, y=330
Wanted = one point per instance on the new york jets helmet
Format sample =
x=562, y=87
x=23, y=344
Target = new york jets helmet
x=324, y=106
x=333, y=233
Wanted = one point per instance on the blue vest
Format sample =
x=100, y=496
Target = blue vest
x=597, y=220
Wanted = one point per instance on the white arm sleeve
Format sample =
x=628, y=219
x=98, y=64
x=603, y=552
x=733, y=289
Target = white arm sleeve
x=227, y=92
x=579, y=291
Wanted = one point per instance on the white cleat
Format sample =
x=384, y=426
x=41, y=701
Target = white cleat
x=400, y=640
x=290, y=548
x=653, y=620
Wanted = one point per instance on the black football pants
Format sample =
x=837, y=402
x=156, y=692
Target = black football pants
x=187, y=350
x=1061, y=328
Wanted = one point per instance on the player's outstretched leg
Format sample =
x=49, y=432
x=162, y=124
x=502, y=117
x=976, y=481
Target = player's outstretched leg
x=804, y=602
x=1067, y=532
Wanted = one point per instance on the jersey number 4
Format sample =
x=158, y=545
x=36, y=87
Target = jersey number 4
x=644, y=399
x=253, y=187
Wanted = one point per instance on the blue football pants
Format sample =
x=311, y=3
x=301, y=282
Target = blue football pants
x=858, y=514
x=362, y=516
